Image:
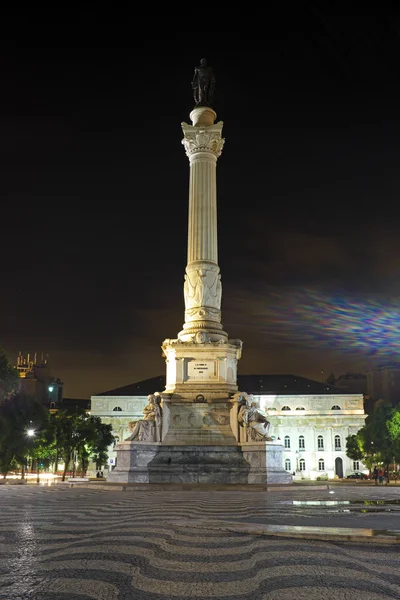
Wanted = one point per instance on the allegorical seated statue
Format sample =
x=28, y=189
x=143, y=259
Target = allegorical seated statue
x=148, y=429
x=254, y=420
x=203, y=84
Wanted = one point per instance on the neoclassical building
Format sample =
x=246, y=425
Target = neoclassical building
x=311, y=419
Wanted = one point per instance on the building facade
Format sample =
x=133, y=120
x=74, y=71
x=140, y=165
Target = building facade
x=37, y=381
x=311, y=419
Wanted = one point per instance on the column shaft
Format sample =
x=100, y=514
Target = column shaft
x=202, y=230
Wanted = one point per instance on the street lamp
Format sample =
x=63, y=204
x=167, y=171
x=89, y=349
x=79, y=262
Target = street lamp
x=30, y=433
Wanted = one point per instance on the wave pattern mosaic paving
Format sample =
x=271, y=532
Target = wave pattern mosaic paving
x=63, y=543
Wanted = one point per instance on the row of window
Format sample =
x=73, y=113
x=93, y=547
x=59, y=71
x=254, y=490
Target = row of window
x=302, y=464
x=321, y=465
x=335, y=407
x=320, y=442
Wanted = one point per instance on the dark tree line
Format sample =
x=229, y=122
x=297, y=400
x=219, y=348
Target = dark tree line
x=28, y=432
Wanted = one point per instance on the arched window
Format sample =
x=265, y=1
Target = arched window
x=52, y=404
x=336, y=407
x=321, y=465
x=301, y=442
x=285, y=408
x=302, y=464
x=338, y=443
x=288, y=466
x=300, y=408
x=117, y=408
x=320, y=442
x=287, y=441
x=271, y=408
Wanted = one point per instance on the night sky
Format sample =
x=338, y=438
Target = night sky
x=94, y=189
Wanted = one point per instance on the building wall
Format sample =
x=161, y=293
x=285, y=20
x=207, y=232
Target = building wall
x=311, y=417
x=107, y=408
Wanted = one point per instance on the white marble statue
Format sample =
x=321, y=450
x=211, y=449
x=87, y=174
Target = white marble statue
x=148, y=429
x=254, y=420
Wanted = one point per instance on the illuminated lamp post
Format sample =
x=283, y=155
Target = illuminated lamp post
x=50, y=389
x=30, y=433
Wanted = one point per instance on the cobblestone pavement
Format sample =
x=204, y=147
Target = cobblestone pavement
x=70, y=543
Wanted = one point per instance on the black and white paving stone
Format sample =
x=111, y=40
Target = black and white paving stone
x=71, y=543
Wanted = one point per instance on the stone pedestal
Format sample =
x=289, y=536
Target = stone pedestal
x=266, y=463
x=132, y=462
x=198, y=464
x=154, y=463
x=192, y=423
x=249, y=463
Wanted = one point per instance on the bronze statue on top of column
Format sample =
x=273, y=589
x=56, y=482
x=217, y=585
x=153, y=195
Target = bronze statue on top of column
x=203, y=84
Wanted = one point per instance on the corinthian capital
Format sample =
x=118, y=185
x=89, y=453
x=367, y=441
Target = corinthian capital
x=203, y=139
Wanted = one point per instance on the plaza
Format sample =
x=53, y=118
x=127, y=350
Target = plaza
x=157, y=542
x=201, y=501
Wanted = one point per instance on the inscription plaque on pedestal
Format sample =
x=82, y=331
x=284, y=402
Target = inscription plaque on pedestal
x=201, y=369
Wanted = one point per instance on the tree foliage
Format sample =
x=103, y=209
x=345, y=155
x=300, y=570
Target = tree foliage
x=9, y=377
x=71, y=434
x=378, y=442
x=354, y=448
x=79, y=436
x=18, y=414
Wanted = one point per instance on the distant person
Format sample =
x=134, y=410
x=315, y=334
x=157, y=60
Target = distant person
x=375, y=475
x=380, y=476
x=386, y=476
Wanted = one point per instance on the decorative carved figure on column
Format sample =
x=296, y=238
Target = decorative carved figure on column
x=148, y=429
x=254, y=420
x=195, y=291
x=203, y=84
x=200, y=291
x=213, y=297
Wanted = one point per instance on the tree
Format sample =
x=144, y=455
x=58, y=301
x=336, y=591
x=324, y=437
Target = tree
x=104, y=439
x=393, y=426
x=65, y=424
x=354, y=449
x=379, y=445
x=93, y=437
x=9, y=377
x=78, y=436
x=24, y=425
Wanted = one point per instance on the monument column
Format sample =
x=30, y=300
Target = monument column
x=202, y=289
x=202, y=361
x=198, y=412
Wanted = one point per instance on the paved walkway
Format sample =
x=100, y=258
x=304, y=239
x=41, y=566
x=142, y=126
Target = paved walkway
x=158, y=543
